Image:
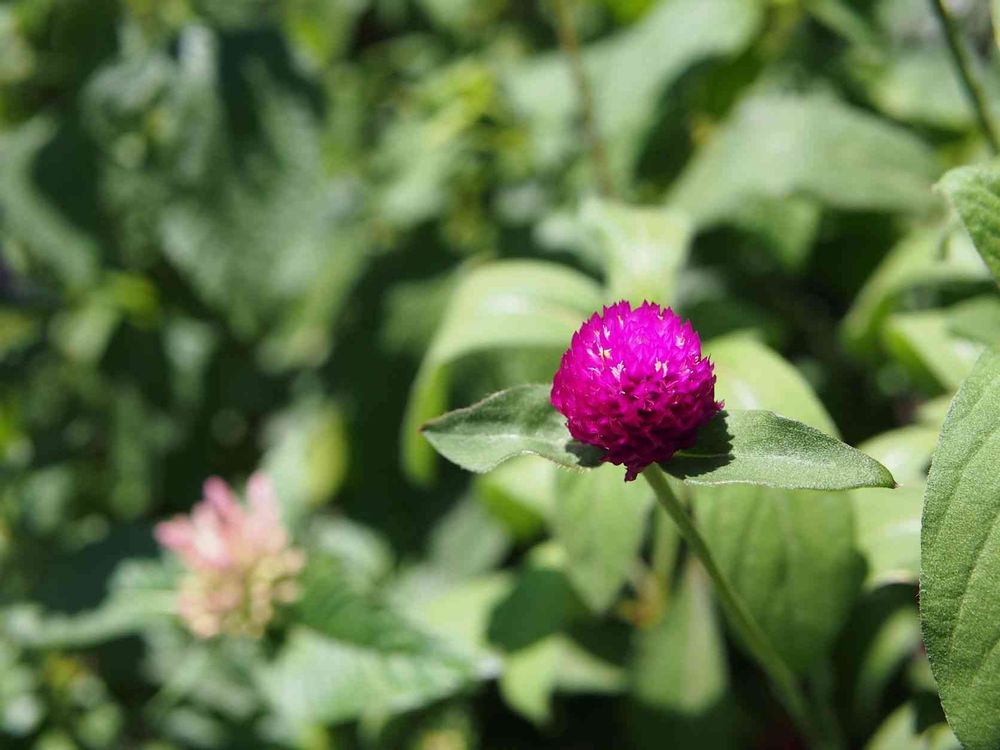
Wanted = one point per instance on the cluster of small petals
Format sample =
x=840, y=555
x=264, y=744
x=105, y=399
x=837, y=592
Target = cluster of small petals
x=240, y=564
x=633, y=383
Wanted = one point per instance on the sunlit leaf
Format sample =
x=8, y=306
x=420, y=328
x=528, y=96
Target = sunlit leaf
x=747, y=447
x=960, y=563
x=600, y=522
x=975, y=194
x=782, y=145
x=503, y=305
x=933, y=355
x=642, y=248
x=628, y=72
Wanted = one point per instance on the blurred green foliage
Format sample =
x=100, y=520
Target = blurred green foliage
x=279, y=235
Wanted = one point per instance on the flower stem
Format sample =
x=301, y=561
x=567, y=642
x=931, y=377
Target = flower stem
x=570, y=44
x=964, y=68
x=782, y=678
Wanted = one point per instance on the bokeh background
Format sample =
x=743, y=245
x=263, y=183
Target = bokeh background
x=278, y=235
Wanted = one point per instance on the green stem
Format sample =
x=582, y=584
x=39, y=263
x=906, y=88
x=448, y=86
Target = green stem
x=570, y=44
x=962, y=64
x=782, y=678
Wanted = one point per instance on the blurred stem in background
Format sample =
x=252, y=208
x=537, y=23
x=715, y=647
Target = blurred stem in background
x=815, y=724
x=570, y=43
x=963, y=65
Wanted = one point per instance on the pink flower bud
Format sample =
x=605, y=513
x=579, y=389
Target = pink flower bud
x=238, y=558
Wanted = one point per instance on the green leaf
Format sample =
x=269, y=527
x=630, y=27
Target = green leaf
x=933, y=355
x=515, y=422
x=765, y=538
x=600, y=521
x=759, y=447
x=680, y=677
x=977, y=319
x=791, y=557
x=932, y=413
x=888, y=524
x=351, y=656
x=960, y=548
x=642, y=248
x=782, y=145
x=31, y=217
x=747, y=447
x=529, y=679
x=532, y=676
x=749, y=375
x=974, y=192
x=927, y=258
x=502, y=305
x=628, y=72
x=904, y=730
x=882, y=637
x=142, y=593
x=306, y=455
x=520, y=493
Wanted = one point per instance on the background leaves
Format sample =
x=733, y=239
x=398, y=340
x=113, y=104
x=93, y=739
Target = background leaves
x=282, y=236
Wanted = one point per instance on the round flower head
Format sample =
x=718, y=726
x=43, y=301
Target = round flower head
x=634, y=383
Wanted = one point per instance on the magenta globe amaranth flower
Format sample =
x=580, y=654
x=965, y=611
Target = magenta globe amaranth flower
x=634, y=383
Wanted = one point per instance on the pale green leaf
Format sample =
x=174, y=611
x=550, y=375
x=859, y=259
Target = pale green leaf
x=960, y=566
x=926, y=258
x=528, y=681
x=351, y=656
x=628, y=72
x=520, y=493
x=320, y=680
x=502, y=305
x=600, y=521
x=762, y=448
x=749, y=375
x=905, y=452
x=533, y=675
x=903, y=730
x=888, y=524
x=679, y=673
x=642, y=248
x=781, y=145
x=922, y=343
x=977, y=319
x=516, y=422
x=975, y=194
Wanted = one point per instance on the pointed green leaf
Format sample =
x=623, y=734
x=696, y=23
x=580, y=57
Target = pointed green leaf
x=600, y=522
x=739, y=447
x=759, y=447
x=960, y=566
x=785, y=552
x=515, y=422
x=503, y=305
